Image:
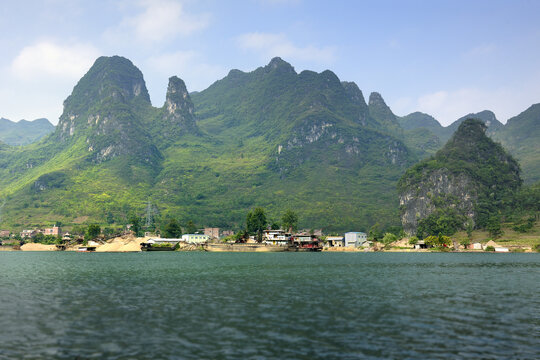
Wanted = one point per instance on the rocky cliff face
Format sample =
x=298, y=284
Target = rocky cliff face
x=419, y=201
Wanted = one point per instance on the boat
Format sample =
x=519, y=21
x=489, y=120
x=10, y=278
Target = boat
x=86, y=248
x=159, y=246
x=245, y=247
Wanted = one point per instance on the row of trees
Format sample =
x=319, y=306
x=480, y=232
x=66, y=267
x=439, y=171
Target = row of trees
x=256, y=222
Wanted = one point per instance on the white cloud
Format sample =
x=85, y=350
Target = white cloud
x=38, y=79
x=48, y=59
x=449, y=105
x=269, y=45
x=159, y=20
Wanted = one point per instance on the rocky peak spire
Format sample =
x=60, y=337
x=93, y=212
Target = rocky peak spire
x=178, y=101
x=178, y=111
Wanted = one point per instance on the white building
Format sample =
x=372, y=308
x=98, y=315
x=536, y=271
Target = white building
x=335, y=241
x=276, y=237
x=355, y=239
x=195, y=238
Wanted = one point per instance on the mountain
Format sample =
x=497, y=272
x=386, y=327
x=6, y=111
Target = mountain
x=486, y=116
x=24, y=132
x=417, y=120
x=270, y=137
x=468, y=181
x=304, y=141
x=521, y=136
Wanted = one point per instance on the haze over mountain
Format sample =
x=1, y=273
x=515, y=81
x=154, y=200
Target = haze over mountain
x=24, y=132
x=271, y=137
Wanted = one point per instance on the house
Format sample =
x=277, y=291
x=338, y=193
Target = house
x=501, y=249
x=55, y=231
x=474, y=246
x=355, y=239
x=4, y=233
x=421, y=244
x=335, y=241
x=226, y=233
x=212, y=233
x=276, y=237
x=28, y=233
x=195, y=238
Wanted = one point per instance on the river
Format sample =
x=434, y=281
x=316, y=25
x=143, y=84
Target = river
x=196, y=305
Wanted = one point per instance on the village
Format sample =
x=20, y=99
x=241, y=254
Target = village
x=216, y=239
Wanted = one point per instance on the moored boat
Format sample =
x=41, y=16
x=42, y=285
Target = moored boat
x=245, y=247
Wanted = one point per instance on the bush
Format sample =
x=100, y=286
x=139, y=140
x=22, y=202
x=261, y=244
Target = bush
x=489, y=248
x=413, y=240
x=536, y=247
x=441, y=241
x=388, y=238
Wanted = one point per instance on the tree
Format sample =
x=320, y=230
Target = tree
x=494, y=226
x=388, y=238
x=441, y=241
x=469, y=228
x=136, y=225
x=93, y=231
x=110, y=218
x=38, y=238
x=256, y=222
x=172, y=230
x=190, y=227
x=413, y=240
x=375, y=233
x=465, y=242
x=290, y=221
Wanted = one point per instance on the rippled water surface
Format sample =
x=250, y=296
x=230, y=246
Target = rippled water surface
x=269, y=306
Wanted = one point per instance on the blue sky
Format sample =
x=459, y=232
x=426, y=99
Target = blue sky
x=445, y=58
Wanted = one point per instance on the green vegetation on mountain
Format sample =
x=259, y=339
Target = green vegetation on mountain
x=270, y=138
x=471, y=180
x=24, y=132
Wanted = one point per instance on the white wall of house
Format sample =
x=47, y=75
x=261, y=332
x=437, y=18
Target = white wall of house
x=195, y=238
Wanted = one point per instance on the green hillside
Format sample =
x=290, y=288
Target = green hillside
x=270, y=138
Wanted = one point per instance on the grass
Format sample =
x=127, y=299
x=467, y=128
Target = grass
x=508, y=238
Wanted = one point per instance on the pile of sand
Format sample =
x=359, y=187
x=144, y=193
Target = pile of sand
x=38, y=247
x=122, y=244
